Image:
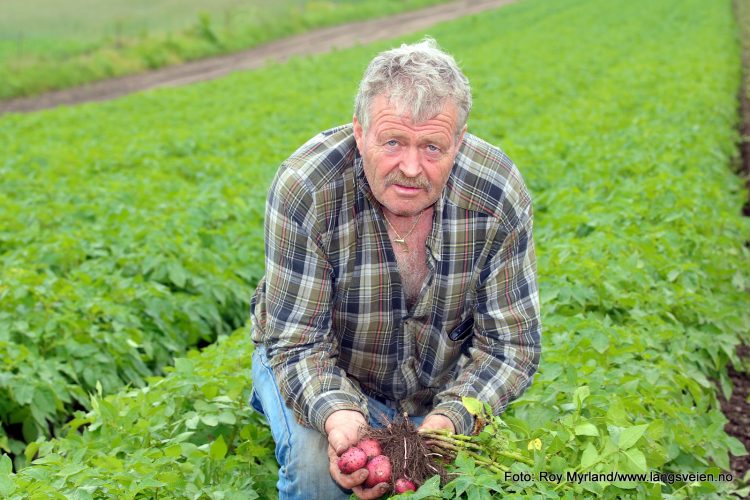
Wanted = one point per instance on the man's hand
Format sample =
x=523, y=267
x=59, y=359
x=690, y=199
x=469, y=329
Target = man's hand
x=343, y=429
x=435, y=422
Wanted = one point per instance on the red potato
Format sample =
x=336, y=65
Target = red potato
x=371, y=448
x=379, y=469
x=403, y=485
x=352, y=460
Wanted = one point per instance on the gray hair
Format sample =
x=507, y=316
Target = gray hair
x=417, y=79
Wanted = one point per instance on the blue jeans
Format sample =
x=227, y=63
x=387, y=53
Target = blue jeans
x=302, y=452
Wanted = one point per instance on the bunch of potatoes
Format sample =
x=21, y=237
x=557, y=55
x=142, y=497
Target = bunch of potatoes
x=368, y=454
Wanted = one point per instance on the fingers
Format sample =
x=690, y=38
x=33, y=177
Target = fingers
x=340, y=440
x=349, y=481
x=355, y=480
x=343, y=429
x=436, y=422
x=369, y=493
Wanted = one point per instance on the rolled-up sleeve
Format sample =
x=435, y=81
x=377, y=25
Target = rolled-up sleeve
x=299, y=291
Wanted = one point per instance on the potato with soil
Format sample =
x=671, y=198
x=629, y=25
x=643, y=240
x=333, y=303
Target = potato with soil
x=379, y=469
x=371, y=448
x=352, y=460
x=403, y=485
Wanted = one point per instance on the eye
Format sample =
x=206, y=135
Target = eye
x=433, y=149
x=392, y=143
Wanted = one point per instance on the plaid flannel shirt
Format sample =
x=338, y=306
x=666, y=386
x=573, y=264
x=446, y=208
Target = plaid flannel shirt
x=331, y=311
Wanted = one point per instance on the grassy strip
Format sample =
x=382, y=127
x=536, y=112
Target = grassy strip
x=51, y=63
x=641, y=244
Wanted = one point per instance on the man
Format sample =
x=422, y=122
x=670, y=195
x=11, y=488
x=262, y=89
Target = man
x=400, y=275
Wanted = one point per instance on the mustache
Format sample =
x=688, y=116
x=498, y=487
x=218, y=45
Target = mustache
x=397, y=177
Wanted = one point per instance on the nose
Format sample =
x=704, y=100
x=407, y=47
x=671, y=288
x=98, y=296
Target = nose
x=410, y=164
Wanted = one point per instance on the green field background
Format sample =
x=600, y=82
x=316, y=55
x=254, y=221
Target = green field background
x=49, y=45
x=93, y=20
x=132, y=234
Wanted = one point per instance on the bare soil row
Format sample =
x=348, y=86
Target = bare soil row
x=313, y=42
x=737, y=408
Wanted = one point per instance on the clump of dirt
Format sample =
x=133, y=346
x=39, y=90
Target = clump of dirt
x=410, y=454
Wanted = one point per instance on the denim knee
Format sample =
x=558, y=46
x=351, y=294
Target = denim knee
x=302, y=452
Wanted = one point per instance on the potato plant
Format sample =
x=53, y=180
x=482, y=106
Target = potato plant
x=190, y=434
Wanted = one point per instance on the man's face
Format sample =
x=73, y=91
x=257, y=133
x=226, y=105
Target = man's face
x=407, y=165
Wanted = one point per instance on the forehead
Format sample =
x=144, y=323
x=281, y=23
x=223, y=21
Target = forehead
x=386, y=117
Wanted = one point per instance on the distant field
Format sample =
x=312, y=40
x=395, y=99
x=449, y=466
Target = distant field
x=49, y=44
x=48, y=21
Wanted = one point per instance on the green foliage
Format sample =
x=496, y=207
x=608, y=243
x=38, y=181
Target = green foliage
x=621, y=117
x=572, y=457
x=116, y=40
x=188, y=435
x=113, y=263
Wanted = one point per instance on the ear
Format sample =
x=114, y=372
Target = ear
x=460, y=138
x=359, y=133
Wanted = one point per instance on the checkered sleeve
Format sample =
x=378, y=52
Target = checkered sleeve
x=506, y=345
x=299, y=289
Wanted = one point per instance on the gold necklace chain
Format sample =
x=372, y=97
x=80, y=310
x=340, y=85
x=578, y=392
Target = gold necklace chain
x=402, y=239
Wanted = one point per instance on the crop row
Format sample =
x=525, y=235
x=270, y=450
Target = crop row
x=622, y=120
x=189, y=435
x=121, y=247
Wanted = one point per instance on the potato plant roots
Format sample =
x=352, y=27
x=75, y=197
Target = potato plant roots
x=410, y=453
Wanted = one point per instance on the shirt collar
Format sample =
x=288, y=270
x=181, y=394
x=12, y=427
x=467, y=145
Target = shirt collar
x=435, y=239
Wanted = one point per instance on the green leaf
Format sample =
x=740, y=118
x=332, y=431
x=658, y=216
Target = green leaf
x=6, y=483
x=210, y=420
x=580, y=395
x=630, y=435
x=472, y=405
x=465, y=463
x=227, y=417
x=586, y=429
x=636, y=460
x=23, y=393
x=44, y=400
x=430, y=489
x=6, y=486
x=30, y=451
x=177, y=274
x=192, y=422
x=600, y=342
x=173, y=451
x=218, y=448
x=6, y=466
x=736, y=447
x=589, y=456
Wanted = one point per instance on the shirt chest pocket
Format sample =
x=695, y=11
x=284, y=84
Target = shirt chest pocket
x=438, y=354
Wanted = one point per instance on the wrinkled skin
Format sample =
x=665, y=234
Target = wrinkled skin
x=407, y=165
